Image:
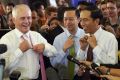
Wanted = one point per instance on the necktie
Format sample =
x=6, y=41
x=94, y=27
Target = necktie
x=86, y=74
x=89, y=54
x=43, y=73
x=71, y=65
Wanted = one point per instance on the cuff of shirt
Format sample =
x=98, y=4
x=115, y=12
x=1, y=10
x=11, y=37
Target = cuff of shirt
x=82, y=54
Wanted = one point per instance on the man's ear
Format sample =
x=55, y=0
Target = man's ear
x=13, y=19
x=78, y=20
x=97, y=21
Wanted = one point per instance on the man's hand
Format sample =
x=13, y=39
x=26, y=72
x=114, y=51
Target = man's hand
x=81, y=70
x=24, y=45
x=83, y=42
x=92, y=41
x=88, y=63
x=103, y=69
x=110, y=77
x=68, y=43
x=39, y=48
x=44, y=28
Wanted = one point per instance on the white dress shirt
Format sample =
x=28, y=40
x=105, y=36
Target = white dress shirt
x=59, y=41
x=106, y=50
x=28, y=62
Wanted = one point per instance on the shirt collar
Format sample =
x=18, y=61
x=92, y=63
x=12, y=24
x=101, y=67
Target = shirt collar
x=78, y=33
x=98, y=32
x=19, y=34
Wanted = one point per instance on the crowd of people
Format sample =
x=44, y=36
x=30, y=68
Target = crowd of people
x=89, y=33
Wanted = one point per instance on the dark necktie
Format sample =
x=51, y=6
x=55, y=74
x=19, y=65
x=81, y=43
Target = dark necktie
x=89, y=54
x=86, y=75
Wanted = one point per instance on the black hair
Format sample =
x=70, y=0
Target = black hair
x=83, y=3
x=73, y=8
x=36, y=5
x=54, y=18
x=103, y=2
x=10, y=4
x=60, y=13
x=95, y=12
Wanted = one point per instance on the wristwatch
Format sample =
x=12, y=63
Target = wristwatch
x=108, y=71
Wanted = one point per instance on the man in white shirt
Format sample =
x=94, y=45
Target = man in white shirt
x=104, y=44
x=64, y=41
x=24, y=46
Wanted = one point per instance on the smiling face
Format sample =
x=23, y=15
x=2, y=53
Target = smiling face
x=87, y=22
x=22, y=18
x=70, y=20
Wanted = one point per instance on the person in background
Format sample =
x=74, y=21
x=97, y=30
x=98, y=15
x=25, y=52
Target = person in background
x=53, y=31
x=104, y=10
x=35, y=24
x=24, y=46
x=50, y=13
x=10, y=21
x=9, y=7
x=62, y=3
x=40, y=8
x=3, y=21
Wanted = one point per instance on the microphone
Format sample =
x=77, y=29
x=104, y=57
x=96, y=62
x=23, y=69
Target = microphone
x=15, y=75
x=72, y=59
x=2, y=65
x=94, y=66
x=3, y=48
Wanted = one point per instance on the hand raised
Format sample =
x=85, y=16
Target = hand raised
x=92, y=41
x=83, y=42
x=39, y=48
x=69, y=42
x=24, y=45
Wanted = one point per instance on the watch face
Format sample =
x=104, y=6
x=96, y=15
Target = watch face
x=108, y=71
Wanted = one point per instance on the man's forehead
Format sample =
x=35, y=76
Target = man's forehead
x=69, y=13
x=85, y=13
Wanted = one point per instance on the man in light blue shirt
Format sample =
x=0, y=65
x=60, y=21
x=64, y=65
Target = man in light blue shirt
x=64, y=41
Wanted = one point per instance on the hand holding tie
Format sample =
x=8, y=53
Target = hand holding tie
x=39, y=48
x=83, y=42
x=69, y=42
x=24, y=45
x=92, y=41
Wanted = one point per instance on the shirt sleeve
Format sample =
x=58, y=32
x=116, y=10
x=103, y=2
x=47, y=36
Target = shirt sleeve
x=11, y=57
x=106, y=53
x=49, y=49
x=60, y=53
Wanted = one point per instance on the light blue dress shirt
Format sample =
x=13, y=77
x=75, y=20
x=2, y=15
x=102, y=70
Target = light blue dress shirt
x=61, y=57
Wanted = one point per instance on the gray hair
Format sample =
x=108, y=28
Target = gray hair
x=19, y=8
